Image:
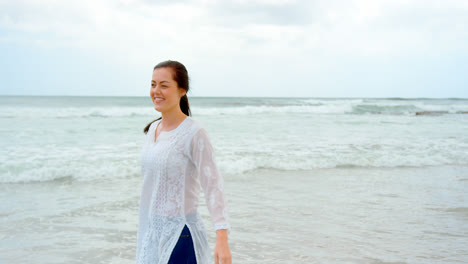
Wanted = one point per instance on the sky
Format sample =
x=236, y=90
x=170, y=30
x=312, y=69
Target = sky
x=242, y=48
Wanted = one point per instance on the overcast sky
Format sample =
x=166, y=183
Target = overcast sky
x=272, y=48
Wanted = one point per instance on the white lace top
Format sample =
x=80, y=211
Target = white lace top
x=174, y=168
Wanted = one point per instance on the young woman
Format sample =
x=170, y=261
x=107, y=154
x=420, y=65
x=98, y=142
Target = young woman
x=177, y=159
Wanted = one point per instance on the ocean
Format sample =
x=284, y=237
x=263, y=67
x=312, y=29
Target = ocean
x=307, y=180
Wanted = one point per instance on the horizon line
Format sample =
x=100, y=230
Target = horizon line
x=295, y=97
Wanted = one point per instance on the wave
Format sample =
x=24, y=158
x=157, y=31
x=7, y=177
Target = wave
x=68, y=174
x=295, y=161
x=52, y=163
x=66, y=164
x=74, y=112
x=250, y=106
x=339, y=107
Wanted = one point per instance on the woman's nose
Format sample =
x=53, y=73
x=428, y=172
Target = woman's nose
x=157, y=89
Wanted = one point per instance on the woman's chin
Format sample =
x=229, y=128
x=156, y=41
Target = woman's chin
x=157, y=108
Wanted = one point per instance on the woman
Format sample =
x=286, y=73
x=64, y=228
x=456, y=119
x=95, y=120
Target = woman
x=177, y=159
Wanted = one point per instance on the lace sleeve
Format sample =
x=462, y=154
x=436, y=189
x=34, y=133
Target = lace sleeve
x=210, y=179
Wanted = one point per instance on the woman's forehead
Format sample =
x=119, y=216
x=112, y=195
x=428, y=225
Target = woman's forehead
x=162, y=74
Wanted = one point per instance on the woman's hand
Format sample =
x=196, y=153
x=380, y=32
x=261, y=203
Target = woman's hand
x=222, y=254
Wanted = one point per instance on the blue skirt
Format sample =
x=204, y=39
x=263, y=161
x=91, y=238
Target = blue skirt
x=184, y=252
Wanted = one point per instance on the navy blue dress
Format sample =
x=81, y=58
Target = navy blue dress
x=184, y=252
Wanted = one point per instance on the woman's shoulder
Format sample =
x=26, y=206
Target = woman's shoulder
x=194, y=124
x=196, y=128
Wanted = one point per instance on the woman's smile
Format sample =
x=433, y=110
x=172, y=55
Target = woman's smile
x=158, y=99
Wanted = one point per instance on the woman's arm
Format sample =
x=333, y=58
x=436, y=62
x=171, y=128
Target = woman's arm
x=222, y=254
x=212, y=185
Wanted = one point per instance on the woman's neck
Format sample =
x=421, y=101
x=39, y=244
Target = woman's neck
x=172, y=119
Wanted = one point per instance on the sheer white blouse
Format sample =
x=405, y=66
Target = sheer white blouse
x=174, y=168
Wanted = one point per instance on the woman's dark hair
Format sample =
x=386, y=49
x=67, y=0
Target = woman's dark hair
x=180, y=75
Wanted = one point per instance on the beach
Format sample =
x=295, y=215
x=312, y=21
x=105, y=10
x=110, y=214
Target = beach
x=307, y=180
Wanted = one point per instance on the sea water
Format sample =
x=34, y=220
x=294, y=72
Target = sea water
x=307, y=180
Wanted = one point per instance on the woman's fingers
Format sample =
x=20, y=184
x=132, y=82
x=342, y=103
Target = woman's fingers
x=223, y=259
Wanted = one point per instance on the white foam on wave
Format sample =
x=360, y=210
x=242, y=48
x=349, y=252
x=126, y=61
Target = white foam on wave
x=52, y=163
x=66, y=112
x=331, y=101
x=248, y=110
x=452, y=108
x=112, y=162
x=377, y=156
x=312, y=106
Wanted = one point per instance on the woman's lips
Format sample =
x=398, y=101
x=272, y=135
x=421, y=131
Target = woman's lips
x=158, y=100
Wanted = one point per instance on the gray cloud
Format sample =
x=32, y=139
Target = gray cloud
x=234, y=14
x=318, y=37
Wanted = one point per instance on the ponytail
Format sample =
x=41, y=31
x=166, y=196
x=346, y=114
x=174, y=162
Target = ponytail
x=184, y=105
x=145, y=130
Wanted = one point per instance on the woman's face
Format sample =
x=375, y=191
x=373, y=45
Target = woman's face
x=164, y=92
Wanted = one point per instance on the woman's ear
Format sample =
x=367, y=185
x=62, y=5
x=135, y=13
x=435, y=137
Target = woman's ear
x=182, y=92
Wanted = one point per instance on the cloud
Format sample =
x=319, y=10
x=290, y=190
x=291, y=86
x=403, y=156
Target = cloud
x=257, y=35
x=204, y=27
